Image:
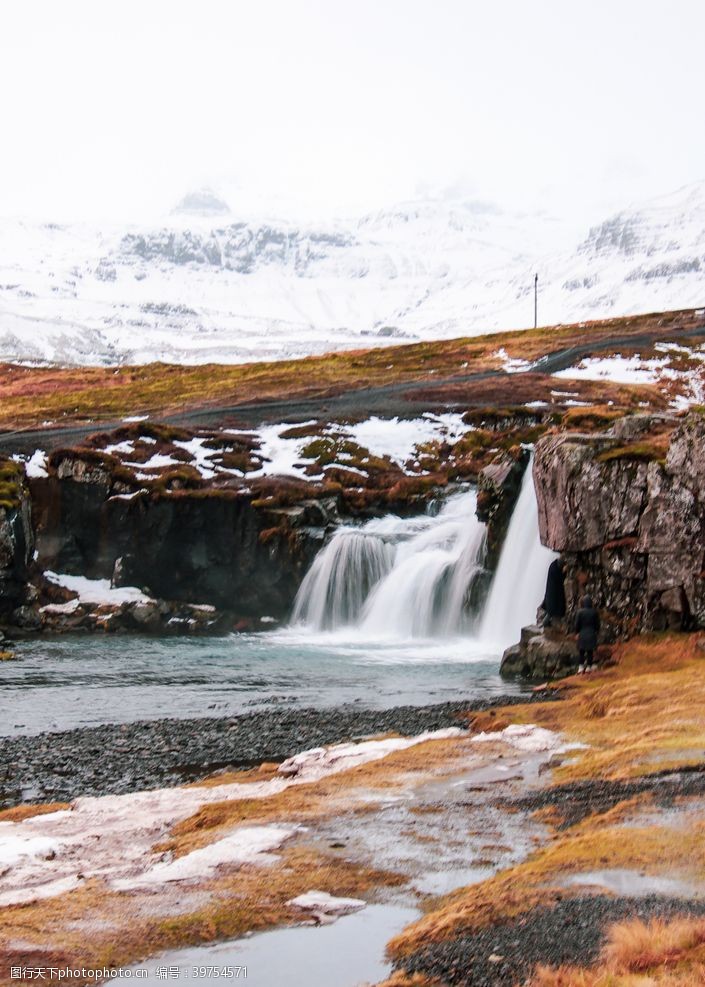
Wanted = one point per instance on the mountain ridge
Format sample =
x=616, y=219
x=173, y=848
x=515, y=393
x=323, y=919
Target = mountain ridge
x=215, y=288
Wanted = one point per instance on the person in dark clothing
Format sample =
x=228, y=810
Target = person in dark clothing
x=587, y=625
x=554, y=598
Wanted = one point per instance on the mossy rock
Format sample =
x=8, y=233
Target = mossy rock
x=11, y=481
x=642, y=452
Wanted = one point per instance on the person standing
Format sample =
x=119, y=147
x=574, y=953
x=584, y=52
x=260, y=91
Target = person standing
x=587, y=626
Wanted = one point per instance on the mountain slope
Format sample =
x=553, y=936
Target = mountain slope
x=205, y=287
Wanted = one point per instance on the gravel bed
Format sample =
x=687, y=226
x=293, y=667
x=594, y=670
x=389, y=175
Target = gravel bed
x=573, y=931
x=576, y=800
x=118, y=758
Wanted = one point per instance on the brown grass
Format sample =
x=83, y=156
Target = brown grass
x=95, y=927
x=19, y=812
x=622, y=713
x=638, y=954
x=29, y=395
x=650, y=702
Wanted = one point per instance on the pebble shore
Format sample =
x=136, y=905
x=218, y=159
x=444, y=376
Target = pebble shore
x=119, y=758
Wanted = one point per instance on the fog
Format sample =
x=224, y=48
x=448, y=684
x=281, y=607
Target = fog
x=114, y=110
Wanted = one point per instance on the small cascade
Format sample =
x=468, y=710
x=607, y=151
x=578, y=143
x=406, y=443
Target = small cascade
x=520, y=580
x=398, y=577
x=336, y=586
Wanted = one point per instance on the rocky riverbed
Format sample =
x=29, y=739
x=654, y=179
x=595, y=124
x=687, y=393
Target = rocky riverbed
x=120, y=758
x=573, y=931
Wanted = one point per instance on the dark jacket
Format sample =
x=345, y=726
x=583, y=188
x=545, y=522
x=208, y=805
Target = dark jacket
x=554, y=599
x=587, y=624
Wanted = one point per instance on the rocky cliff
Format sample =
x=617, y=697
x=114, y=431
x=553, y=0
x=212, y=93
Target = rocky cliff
x=626, y=510
x=233, y=549
x=16, y=539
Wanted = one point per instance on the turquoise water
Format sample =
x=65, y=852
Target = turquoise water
x=61, y=683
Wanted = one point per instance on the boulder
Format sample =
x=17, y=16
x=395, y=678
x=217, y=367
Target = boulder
x=539, y=657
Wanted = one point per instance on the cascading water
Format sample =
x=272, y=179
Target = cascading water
x=519, y=582
x=339, y=581
x=398, y=577
x=395, y=579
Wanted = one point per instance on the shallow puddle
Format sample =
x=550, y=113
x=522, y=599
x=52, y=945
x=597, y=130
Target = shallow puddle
x=633, y=884
x=345, y=954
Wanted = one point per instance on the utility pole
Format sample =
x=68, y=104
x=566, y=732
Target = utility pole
x=536, y=300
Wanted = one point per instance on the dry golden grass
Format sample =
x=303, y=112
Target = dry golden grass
x=19, y=812
x=648, y=706
x=307, y=802
x=29, y=396
x=638, y=954
x=95, y=927
x=650, y=703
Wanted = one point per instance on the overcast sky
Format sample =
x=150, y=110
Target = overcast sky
x=115, y=108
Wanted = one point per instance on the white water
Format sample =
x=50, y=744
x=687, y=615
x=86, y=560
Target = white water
x=403, y=579
x=398, y=577
x=520, y=580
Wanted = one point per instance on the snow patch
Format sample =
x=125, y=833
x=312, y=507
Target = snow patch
x=325, y=906
x=251, y=845
x=528, y=738
x=113, y=836
x=512, y=365
x=70, y=607
x=97, y=590
x=319, y=761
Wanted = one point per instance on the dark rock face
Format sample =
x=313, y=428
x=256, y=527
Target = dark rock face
x=16, y=548
x=541, y=654
x=215, y=549
x=629, y=521
x=207, y=546
x=498, y=486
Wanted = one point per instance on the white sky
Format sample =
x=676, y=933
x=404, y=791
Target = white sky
x=115, y=108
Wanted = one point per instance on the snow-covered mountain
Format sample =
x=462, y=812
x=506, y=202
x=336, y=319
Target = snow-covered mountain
x=208, y=286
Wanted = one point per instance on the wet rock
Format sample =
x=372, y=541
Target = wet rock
x=26, y=618
x=146, y=616
x=16, y=545
x=216, y=546
x=540, y=656
x=626, y=509
x=498, y=486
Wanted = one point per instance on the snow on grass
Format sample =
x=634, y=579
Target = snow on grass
x=113, y=836
x=201, y=456
x=249, y=845
x=527, y=738
x=319, y=761
x=390, y=438
x=617, y=369
x=650, y=370
x=321, y=904
x=36, y=466
x=512, y=365
x=16, y=849
x=396, y=438
x=97, y=590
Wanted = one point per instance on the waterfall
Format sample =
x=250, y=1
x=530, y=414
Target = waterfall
x=398, y=577
x=336, y=586
x=520, y=580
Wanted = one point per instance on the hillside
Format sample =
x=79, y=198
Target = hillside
x=212, y=286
